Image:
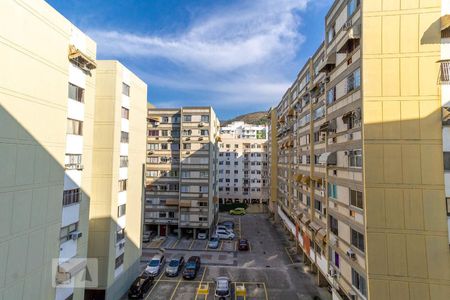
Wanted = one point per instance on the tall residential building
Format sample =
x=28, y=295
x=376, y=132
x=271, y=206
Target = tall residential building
x=360, y=165
x=181, y=171
x=243, y=174
x=115, y=219
x=47, y=90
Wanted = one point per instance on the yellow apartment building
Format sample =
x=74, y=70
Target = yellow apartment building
x=47, y=97
x=115, y=219
x=361, y=181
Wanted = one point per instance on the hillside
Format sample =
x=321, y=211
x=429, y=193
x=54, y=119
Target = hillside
x=256, y=118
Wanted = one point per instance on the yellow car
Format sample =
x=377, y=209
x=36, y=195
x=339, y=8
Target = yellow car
x=238, y=211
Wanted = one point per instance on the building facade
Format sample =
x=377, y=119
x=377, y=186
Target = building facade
x=115, y=219
x=243, y=174
x=181, y=171
x=47, y=97
x=360, y=165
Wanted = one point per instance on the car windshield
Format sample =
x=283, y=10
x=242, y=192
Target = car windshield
x=243, y=242
x=154, y=263
x=190, y=265
x=173, y=263
x=214, y=240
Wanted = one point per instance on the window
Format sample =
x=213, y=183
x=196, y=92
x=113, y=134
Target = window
x=357, y=239
x=119, y=261
x=152, y=173
x=124, y=161
x=331, y=32
x=176, y=119
x=125, y=89
x=354, y=80
x=334, y=225
x=76, y=93
x=120, y=235
x=187, y=118
x=351, y=7
x=204, y=132
x=124, y=137
x=355, y=158
x=121, y=209
x=165, y=120
x=122, y=185
x=64, y=233
x=155, y=132
x=318, y=205
x=204, y=189
x=204, y=174
x=71, y=196
x=331, y=95
x=332, y=190
x=447, y=161
x=125, y=113
x=356, y=199
x=152, y=146
x=359, y=282
x=186, y=146
x=73, y=161
x=204, y=118
x=74, y=127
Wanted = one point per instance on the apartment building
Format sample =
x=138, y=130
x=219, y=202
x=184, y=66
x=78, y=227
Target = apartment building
x=115, y=219
x=46, y=134
x=243, y=174
x=359, y=141
x=181, y=171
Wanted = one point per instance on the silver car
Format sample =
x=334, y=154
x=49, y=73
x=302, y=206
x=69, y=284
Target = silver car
x=174, y=267
x=155, y=266
x=223, y=287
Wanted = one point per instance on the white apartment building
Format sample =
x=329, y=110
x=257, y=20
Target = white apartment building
x=243, y=173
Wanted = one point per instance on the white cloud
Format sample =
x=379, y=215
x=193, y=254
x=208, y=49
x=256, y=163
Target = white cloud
x=237, y=52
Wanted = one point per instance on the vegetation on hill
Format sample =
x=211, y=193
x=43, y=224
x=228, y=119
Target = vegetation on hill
x=255, y=118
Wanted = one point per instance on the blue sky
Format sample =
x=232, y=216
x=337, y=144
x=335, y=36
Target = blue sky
x=238, y=56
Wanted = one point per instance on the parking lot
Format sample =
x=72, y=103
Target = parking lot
x=269, y=270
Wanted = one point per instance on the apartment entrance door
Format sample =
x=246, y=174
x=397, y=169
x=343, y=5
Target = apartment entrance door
x=162, y=230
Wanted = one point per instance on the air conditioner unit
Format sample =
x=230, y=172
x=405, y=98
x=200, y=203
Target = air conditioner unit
x=188, y=152
x=201, y=124
x=151, y=152
x=200, y=139
x=188, y=138
x=157, y=138
x=75, y=235
x=351, y=254
x=156, y=123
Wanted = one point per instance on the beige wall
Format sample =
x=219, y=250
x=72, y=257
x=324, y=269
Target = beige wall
x=103, y=216
x=33, y=112
x=407, y=244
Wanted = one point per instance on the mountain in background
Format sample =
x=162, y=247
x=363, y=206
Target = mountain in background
x=255, y=118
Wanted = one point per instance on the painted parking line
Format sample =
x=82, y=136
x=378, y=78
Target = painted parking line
x=289, y=255
x=221, y=246
x=175, y=244
x=156, y=283
x=249, y=246
x=192, y=244
x=176, y=287
x=200, y=283
x=206, y=246
x=265, y=291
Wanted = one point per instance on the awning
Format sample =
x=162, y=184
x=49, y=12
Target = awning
x=347, y=116
x=324, y=126
x=445, y=22
x=305, y=219
x=328, y=158
x=319, y=181
x=154, y=118
x=328, y=63
x=320, y=235
x=172, y=202
x=306, y=180
x=185, y=203
x=218, y=139
x=291, y=112
x=314, y=226
x=298, y=178
x=81, y=59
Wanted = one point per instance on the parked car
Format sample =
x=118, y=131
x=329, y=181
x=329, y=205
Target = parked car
x=213, y=242
x=147, y=236
x=224, y=234
x=192, y=267
x=238, y=211
x=140, y=286
x=223, y=287
x=228, y=224
x=243, y=245
x=155, y=266
x=223, y=227
x=175, y=266
x=202, y=236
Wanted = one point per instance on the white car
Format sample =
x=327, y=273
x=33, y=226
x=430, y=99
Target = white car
x=202, y=236
x=224, y=234
x=222, y=227
x=155, y=266
x=223, y=287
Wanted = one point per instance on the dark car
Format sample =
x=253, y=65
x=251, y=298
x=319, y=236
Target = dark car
x=243, y=245
x=140, y=286
x=174, y=267
x=192, y=267
x=228, y=224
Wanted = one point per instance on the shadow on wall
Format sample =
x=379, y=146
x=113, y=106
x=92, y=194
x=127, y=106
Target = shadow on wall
x=32, y=184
